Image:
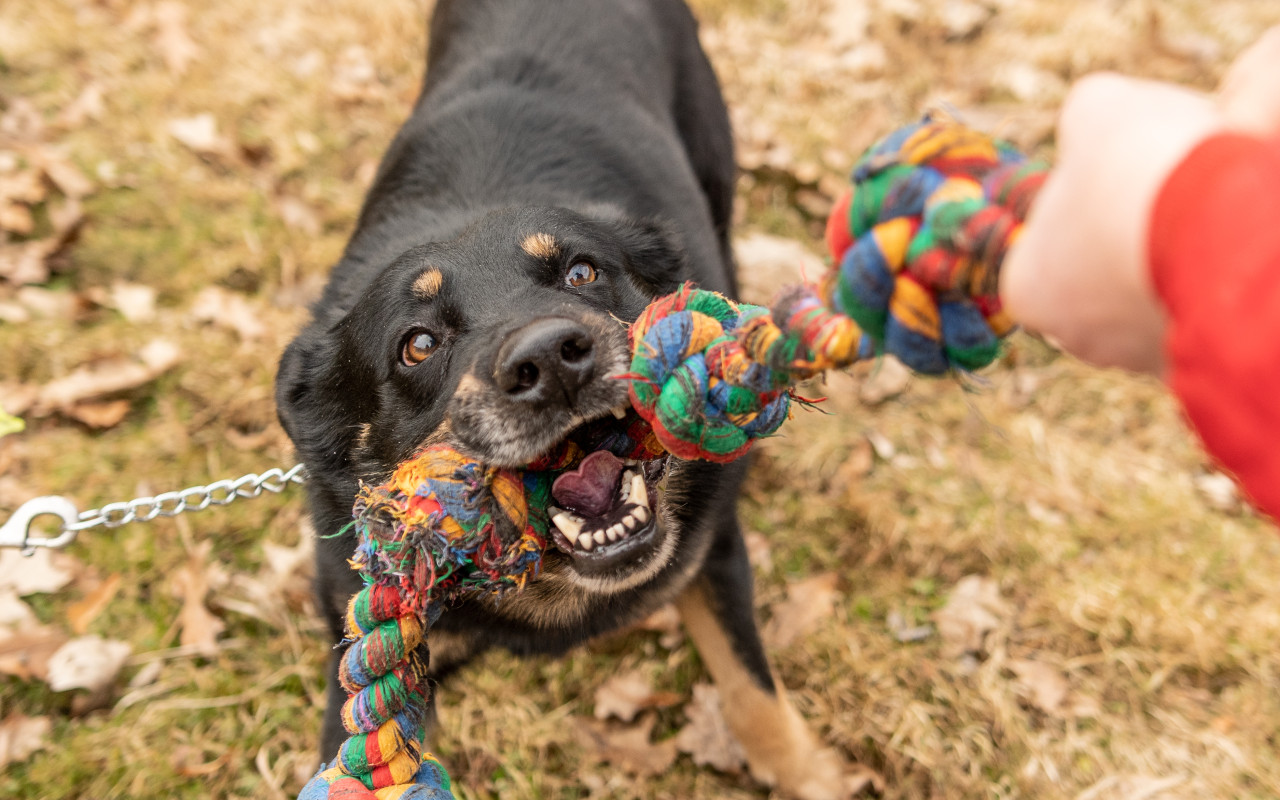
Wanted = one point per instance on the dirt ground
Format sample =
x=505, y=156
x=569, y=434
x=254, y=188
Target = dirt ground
x=1031, y=584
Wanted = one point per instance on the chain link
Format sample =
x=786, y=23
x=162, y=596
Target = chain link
x=194, y=498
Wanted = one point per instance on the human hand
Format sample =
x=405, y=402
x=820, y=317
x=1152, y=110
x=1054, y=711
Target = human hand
x=1079, y=270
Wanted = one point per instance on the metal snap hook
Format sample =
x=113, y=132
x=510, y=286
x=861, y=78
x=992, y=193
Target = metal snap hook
x=17, y=531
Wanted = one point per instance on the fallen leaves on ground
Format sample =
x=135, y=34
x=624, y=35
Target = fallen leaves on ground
x=77, y=395
x=171, y=37
x=973, y=610
x=627, y=748
x=808, y=602
x=200, y=135
x=229, y=311
x=83, y=612
x=1047, y=689
x=707, y=737
x=200, y=627
x=626, y=695
x=87, y=662
x=41, y=572
x=20, y=736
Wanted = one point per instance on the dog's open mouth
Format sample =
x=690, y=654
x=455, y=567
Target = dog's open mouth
x=604, y=510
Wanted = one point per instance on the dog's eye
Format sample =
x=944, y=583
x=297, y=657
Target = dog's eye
x=418, y=345
x=580, y=273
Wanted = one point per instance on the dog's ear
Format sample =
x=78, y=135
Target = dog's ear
x=653, y=251
x=318, y=398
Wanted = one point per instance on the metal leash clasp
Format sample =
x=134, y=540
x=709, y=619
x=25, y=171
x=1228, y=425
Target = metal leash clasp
x=17, y=531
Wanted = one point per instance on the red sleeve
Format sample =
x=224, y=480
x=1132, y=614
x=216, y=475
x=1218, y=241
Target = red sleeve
x=1215, y=259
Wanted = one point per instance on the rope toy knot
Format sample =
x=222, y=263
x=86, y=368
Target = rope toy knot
x=692, y=379
x=918, y=242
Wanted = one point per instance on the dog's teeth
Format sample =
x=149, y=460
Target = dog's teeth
x=585, y=542
x=641, y=514
x=568, y=524
x=629, y=523
x=617, y=528
x=624, y=492
x=620, y=412
x=600, y=536
x=613, y=534
x=639, y=494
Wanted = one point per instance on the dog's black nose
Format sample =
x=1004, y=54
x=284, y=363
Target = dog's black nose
x=546, y=362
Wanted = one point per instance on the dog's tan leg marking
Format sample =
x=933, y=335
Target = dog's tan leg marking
x=781, y=750
x=428, y=283
x=541, y=245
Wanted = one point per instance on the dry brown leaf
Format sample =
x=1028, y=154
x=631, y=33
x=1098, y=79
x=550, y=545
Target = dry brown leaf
x=282, y=583
x=25, y=186
x=41, y=572
x=973, y=610
x=14, y=614
x=230, y=311
x=626, y=695
x=298, y=215
x=99, y=415
x=171, y=39
x=16, y=218
x=707, y=737
x=87, y=106
x=106, y=378
x=627, y=748
x=136, y=302
x=25, y=262
x=200, y=135
x=25, y=653
x=20, y=736
x=65, y=175
x=83, y=612
x=87, y=662
x=666, y=621
x=808, y=602
x=200, y=627
x=1047, y=689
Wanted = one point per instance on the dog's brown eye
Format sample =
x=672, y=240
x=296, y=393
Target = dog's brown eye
x=417, y=347
x=580, y=273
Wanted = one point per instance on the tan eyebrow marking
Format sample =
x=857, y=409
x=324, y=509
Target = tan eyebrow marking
x=540, y=245
x=428, y=283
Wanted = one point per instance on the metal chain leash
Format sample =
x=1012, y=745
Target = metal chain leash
x=17, y=531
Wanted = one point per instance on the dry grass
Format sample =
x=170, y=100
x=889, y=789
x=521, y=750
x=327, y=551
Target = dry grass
x=1074, y=490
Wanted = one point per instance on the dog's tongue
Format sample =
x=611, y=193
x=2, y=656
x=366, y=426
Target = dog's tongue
x=589, y=489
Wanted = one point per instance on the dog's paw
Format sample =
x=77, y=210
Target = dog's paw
x=798, y=766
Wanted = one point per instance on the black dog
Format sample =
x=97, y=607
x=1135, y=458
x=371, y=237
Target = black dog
x=565, y=163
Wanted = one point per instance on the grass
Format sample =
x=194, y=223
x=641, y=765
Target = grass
x=1074, y=490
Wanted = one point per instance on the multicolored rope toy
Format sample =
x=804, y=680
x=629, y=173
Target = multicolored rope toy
x=917, y=242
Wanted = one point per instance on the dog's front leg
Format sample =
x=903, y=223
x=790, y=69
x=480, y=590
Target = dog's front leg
x=717, y=612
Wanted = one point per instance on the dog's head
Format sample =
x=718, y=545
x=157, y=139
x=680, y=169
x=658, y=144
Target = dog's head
x=502, y=342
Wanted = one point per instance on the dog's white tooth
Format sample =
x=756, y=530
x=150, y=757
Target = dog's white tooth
x=618, y=528
x=632, y=462
x=568, y=524
x=620, y=412
x=641, y=514
x=600, y=536
x=613, y=534
x=624, y=490
x=629, y=523
x=639, y=494
x=585, y=542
